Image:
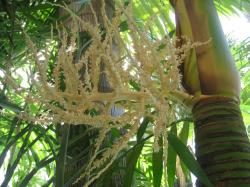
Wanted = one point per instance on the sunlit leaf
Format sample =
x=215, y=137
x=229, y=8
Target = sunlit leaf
x=171, y=160
x=188, y=159
x=157, y=160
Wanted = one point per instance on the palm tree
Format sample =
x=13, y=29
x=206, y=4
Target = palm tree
x=209, y=76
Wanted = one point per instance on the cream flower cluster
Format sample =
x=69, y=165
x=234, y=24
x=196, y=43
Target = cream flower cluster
x=127, y=72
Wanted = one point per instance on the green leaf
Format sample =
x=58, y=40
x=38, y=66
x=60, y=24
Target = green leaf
x=171, y=33
x=12, y=142
x=184, y=133
x=47, y=139
x=135, y=85
x=184, y=138
x=23, y=149
x=61, y=160
x=158, y=164
x=142, y=128
x=33, y=108
x=245, y=108
x=132, y=160
x=2, y=66
x=171, y=161
x=40, y=165
x=188, y=159
x=123, y=26
x=10, y=106
x=47, y=184
x=134, y=155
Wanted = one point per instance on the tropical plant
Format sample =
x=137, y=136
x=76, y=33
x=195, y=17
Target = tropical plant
x=35, y=154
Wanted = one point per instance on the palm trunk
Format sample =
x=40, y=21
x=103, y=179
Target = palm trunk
x=84, y=145
x=221, y=142
x=210, y=75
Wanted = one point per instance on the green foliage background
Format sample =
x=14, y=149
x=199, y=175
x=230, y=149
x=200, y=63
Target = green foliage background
x=28, y=152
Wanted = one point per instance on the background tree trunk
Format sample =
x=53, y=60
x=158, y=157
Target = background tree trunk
x=83, y=148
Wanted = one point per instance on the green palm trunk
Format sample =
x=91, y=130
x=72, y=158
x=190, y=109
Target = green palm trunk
x=210, y=75
x=222, y=145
